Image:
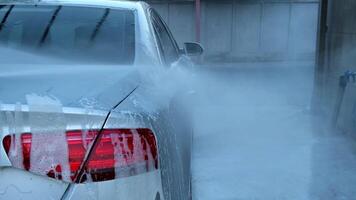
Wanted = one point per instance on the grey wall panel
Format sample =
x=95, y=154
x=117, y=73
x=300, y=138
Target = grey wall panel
x=275, y=28
x=303, y=29
x=247, y=29
x=182, y=22
x=216, y=30
x=347, y=16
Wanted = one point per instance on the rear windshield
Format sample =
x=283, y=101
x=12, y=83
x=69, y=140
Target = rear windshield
x=91, y=35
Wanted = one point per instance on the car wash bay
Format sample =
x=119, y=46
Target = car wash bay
x=266, y=94
x=255, y=138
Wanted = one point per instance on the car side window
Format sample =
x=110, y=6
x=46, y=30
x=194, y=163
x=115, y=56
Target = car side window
x=167, y=44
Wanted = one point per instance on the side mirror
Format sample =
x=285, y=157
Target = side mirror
x=193, y=49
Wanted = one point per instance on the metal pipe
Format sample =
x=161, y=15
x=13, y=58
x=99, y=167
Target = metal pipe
x=197, y=20
x=346, y=78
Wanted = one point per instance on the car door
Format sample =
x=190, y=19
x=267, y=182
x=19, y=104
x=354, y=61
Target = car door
x=180, y=125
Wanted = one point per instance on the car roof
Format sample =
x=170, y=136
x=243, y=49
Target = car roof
x=91, y=3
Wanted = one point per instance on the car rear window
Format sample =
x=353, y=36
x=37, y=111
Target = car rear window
x=85, y=34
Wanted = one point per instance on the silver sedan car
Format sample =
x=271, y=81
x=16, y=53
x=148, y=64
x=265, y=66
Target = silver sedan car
x=79, y=118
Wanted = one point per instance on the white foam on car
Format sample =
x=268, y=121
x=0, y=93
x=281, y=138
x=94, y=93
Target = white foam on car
x=48, y=126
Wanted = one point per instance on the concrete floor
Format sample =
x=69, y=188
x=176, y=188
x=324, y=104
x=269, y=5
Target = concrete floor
x=256, y=139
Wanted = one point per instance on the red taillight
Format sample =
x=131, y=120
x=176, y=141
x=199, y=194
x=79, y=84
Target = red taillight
x=7, y=143
x=117, y=153
x=26, y=140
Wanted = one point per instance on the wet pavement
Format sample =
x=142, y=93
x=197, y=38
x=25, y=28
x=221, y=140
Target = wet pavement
x=255, y=137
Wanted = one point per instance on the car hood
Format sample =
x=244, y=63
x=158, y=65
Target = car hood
x=84, y=86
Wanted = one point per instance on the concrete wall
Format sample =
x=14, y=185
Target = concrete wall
x=247, y=29
x=340, y=56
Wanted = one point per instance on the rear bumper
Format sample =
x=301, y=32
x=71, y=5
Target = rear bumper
x=17, y=184
x=139, y=187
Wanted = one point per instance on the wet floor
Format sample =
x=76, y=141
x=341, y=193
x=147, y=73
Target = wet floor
x=256, y=139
